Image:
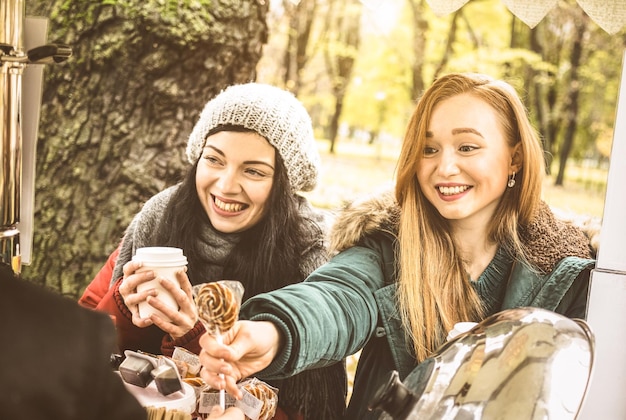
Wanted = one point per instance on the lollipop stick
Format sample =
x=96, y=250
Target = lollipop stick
x=219, y=339
x=218, y=305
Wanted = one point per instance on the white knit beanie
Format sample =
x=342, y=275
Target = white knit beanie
x=273, y=113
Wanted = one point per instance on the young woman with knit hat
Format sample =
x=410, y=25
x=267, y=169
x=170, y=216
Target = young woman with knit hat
x=465, y=236
x=237, y=216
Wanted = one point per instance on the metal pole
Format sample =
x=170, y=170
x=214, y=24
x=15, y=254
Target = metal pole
x=11, y=44
x=607, y=298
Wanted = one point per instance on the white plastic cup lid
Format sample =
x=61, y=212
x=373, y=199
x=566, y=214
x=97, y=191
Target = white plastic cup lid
x=160, y=256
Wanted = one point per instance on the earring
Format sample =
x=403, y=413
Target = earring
x=511, y=182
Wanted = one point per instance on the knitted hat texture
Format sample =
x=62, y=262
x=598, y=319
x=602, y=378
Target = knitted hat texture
x=275, y=114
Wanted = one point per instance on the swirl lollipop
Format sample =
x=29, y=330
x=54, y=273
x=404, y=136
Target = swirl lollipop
x=218, y=306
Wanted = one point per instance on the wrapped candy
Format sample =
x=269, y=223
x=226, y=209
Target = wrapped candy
x=140, y=369
x=259, y=400
x=267, y=396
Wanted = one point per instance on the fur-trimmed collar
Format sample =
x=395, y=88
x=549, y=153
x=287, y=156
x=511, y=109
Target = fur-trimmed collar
x=548, y=239
x=357, y=219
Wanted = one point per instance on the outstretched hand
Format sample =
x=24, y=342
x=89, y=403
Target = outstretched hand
x=248, y=347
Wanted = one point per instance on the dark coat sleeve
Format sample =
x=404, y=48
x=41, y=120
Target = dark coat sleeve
x=109, y=393
x=574, y=303
x=56, y=364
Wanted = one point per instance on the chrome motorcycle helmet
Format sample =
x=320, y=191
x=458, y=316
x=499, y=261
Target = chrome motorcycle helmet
x=523, y=363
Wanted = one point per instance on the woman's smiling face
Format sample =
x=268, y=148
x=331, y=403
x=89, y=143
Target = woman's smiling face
x=467, y=160
x=234, y=179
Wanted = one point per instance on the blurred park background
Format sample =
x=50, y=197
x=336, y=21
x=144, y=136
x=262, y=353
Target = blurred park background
x=115, y=118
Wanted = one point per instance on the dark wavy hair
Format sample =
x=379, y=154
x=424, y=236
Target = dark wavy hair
x=268, y=255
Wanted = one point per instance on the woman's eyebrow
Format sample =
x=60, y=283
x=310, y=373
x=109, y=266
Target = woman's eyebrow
x=216, y=149
x=458, y=131
x=466, y=130
x=258, y=162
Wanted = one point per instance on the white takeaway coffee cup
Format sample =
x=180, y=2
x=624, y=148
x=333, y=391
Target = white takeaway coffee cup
x=165, y=262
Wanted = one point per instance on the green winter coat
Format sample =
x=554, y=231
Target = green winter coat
x=349, y=304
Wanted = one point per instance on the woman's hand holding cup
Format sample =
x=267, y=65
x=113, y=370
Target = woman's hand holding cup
x=177, y=322
x=157, y=291
x=128, y=291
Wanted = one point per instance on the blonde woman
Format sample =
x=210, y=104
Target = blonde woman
x=464, y=236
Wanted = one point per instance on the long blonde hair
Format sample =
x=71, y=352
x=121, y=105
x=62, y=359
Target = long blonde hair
x=434, y=290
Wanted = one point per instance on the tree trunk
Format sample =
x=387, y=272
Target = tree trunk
x=420, y=28
x=572, y=100
x=115, y=118
x=449, y=50
x=541, y=106
x=301, y=18
x=334, y=123
x=344, y=27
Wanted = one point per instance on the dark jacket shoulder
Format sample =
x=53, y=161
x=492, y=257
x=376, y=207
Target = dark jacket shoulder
x=56, y=365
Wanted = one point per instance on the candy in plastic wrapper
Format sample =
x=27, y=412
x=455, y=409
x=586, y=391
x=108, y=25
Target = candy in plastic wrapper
x=166, y=379
x=263, y=392
x=140, y=369
x=197, y=383
x=188, y=363
x=259, y=401
x=137, y=370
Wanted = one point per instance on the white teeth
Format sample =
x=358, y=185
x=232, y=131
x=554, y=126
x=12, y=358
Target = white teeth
x=453, y=190
x=229, y=207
